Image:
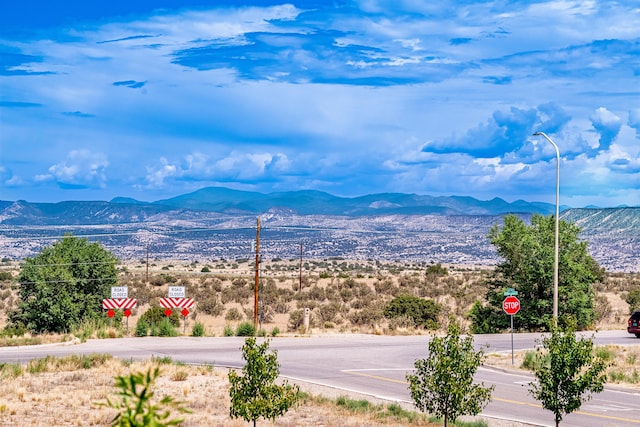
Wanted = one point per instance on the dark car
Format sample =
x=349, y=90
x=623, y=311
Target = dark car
x=634, y=324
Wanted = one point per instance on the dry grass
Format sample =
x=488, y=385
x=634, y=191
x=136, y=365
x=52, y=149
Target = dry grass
x=69, y=398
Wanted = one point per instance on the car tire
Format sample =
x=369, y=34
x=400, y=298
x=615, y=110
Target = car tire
x=637, y=335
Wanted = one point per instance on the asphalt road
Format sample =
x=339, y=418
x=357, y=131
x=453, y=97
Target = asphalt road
x=371, y=365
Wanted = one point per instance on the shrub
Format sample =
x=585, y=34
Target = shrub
x=532, y=360
x=329, y=311
x=233, y=314
x=245, y=329
x=633, y=299
x=205, y=269
x=211, y=305
x=371, y=315
x=155, y=315
x=142, y=328
x=296, y=318
x=179, y=376
x=401, y=322
x=437, y=270
x=228, y=331
x=167, y=328
x=423, y=312
x=14, y=330
x=198, y=330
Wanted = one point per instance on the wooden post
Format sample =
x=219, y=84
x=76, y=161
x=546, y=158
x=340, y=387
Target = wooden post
x=147, y=262
x=257, y=284
x=300, y=286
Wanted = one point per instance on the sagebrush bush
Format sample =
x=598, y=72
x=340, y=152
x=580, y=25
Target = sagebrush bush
x=423, y=312
x=233, y=314
x=211, y=305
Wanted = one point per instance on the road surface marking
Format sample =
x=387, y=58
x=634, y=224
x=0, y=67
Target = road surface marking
x=515, y=402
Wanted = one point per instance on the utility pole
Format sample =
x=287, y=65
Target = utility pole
x=147, y=262
x=257, y=284
x=300, y=286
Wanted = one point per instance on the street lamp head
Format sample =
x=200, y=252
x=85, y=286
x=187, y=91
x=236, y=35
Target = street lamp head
x=537, y=133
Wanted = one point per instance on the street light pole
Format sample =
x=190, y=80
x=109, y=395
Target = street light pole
x=557, y=231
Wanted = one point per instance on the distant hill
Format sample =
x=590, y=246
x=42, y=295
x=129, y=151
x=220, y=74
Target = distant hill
x=225, y=200
x=76, y=213
x=219, y=222
x=310, y=202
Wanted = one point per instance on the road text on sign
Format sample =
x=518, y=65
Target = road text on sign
x=511, y=305
x=119, y=292
x=176, y=292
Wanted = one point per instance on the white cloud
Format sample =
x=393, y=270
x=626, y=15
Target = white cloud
x=156, y=175
x=82, y=168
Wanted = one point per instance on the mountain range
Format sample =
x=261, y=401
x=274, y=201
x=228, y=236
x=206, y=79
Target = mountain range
x=228, y=201
x=219, y=222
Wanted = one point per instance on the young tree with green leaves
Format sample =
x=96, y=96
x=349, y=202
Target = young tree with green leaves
x=570, y=369
x=64, y=285
x=527, y=253
x=136, y=405
x=443, y=382
x=254, y=394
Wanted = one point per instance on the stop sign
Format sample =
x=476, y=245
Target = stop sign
x=511, y=305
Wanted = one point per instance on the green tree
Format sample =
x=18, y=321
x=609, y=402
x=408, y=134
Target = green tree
x=569, y=370
x=443, y=382
x=423, y=312
x=136, y=406
x=254, y=394
x=64, y=285
x=527, y=252
x=633, y=299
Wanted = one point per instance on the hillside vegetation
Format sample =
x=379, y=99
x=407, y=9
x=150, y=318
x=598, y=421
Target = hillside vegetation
x=342, y=296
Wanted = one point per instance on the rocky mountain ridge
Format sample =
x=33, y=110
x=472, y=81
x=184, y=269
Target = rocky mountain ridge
x=220, y=223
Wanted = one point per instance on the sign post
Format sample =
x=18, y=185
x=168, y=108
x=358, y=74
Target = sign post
x=511, y=305
x=177, y=301
x=119, y=303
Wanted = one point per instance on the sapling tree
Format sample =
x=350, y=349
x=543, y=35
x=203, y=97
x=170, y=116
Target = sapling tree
x=137, y=406
x=569, y=373
x=443, y=382
x=255, y=394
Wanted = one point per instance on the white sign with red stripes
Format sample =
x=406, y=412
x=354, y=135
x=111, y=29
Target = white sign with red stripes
x=177, y=302
x=119, y=303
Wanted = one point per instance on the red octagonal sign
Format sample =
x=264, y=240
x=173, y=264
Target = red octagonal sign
x=511, y=305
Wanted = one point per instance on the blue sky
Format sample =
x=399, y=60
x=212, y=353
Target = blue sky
x=152, y=99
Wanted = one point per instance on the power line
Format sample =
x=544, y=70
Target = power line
x=66, y=263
